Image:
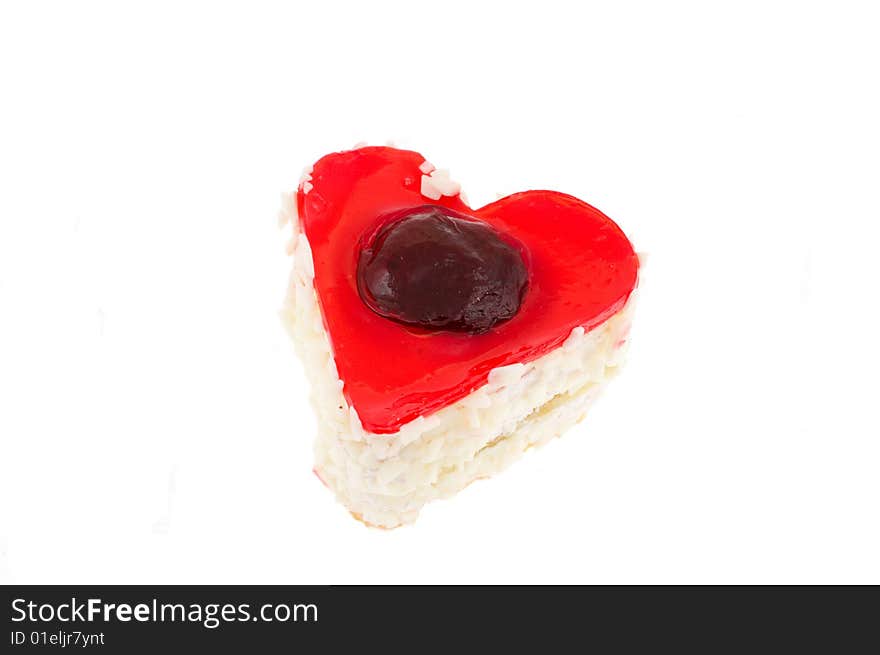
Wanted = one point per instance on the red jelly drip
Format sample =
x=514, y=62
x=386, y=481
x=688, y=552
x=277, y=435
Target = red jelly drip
x=581, y=269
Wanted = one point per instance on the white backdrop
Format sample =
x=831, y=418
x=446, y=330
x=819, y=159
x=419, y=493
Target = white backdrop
x=154, y=423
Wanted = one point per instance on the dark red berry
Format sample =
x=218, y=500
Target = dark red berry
x=440, y=270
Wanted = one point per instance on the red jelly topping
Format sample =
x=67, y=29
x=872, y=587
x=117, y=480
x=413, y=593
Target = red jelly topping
x=581, y=270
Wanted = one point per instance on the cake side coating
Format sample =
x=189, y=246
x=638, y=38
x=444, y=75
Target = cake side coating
x=386, y=479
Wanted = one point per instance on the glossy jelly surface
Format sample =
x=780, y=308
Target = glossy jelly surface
x=580, y=266
x=437, y=269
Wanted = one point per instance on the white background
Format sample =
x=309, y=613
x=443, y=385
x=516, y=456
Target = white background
x=154, y=423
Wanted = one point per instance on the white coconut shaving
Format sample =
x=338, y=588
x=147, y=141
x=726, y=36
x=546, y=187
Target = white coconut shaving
x=287, y=213
x=305, y=180
x=438, y=184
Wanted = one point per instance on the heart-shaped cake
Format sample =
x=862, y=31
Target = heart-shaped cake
x=442, y=341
